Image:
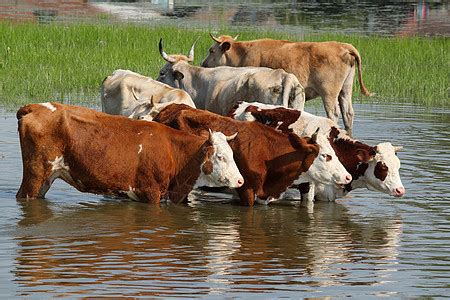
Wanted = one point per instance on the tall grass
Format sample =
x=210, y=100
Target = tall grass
x=54, y=62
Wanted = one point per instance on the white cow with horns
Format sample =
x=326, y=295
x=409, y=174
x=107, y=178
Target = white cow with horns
x=218, y=89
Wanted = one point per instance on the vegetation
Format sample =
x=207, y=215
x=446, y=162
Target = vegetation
x=54, y=62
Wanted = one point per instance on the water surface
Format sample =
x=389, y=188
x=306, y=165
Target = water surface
x=367, y=244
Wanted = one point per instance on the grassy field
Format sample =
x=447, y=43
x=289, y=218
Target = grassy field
x=68, y=62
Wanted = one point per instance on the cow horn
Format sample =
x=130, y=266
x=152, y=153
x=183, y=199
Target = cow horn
x=214, y=38
x=236, y=37
x=164, y=54
x=231, y=137
x=398, y=148
x=314, y=136
x=191, y=52
x=134, y=95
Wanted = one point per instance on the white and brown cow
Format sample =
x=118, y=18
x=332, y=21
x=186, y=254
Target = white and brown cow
x=113, y=155
x=136, y=96
x=218, y=89
x=373, y=167
x=324, y=69
x=270, y=161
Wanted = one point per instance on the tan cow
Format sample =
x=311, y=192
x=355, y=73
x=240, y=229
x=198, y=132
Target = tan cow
x=112, y=155
x=324, y=69
x=136, y=96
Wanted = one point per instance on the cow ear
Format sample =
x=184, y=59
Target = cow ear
x=296, y=142
x=363, y=155
x=178, y=75
x=225, y=46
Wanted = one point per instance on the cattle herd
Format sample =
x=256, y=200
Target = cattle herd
x=235, y=122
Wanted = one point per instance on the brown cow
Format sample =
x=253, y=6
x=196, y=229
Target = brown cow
x=113, y=155
x=372, y=167
x=270, y=161
x=324, y=69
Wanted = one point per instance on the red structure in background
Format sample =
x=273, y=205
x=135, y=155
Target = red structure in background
x=46, y=10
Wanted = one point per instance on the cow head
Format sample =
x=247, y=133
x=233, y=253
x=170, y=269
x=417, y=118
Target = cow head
x=218, y=167
x=382, y=173
x=217, y=52
x=171, y=73
x=148, y=110
x=326, y=167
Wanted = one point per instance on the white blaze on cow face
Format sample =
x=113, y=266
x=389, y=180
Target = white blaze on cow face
x=49, y=106
x=220, y=168
x=326, y=168
x=383, y=171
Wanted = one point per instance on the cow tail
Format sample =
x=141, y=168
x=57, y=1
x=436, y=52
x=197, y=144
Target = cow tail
x=293, y=93
x=353, y=52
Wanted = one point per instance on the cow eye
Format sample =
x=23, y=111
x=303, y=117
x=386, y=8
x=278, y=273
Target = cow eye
x=161, y=73
x=211, y=50
x=220, y=157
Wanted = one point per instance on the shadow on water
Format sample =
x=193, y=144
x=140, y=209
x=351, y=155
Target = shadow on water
x=132, y=249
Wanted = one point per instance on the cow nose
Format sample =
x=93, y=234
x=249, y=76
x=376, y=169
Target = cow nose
x=240, y=182
x=399, y=192
x=348, y=178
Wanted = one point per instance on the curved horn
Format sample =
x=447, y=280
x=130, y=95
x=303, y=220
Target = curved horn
x=231, y=137
x=214, y=38
x=314, y=136
x=164, y=54
x=134, y=95
x=191, y=52
x=236, y=37
x=398, y=148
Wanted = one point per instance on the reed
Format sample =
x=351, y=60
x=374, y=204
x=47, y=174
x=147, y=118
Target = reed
x=56, y=62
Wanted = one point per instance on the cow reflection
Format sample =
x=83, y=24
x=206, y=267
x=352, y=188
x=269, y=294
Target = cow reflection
x=216, y=246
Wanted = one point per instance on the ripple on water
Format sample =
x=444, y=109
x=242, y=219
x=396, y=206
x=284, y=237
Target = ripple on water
x=366, y=244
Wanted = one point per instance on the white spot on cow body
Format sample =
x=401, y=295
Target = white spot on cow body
x=49, y=106
x=140, y=148
x=140, y=132
x=58, y=164
x=132, y=194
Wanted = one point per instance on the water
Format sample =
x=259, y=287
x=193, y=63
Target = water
x=297, y=17
x=365, y=245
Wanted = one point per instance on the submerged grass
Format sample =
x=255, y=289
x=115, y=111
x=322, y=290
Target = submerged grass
x=53, y=62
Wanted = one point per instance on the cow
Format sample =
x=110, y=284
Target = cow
x=218, y=89
x=373, y=167
x=324, y=69
x=114, y=155
x=136, y=96
x=270, y=161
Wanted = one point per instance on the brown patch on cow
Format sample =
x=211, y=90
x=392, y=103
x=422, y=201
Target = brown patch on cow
x=279, y=118
x=268, y=160
x=381, y=171
x=353, y=154
x=207, y=166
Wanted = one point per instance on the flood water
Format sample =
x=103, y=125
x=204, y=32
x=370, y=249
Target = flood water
x=365, y=245
x=378, y=17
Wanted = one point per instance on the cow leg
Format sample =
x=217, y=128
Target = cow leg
x=330, y=103
x=36, y=181
x=152, y=195
x=345, y=103
x=247, y=196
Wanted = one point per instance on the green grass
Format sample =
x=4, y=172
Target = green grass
x=54, y=62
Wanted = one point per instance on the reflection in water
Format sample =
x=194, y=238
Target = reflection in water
x=365, y=245
x=364, y=17
x=209, y=248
